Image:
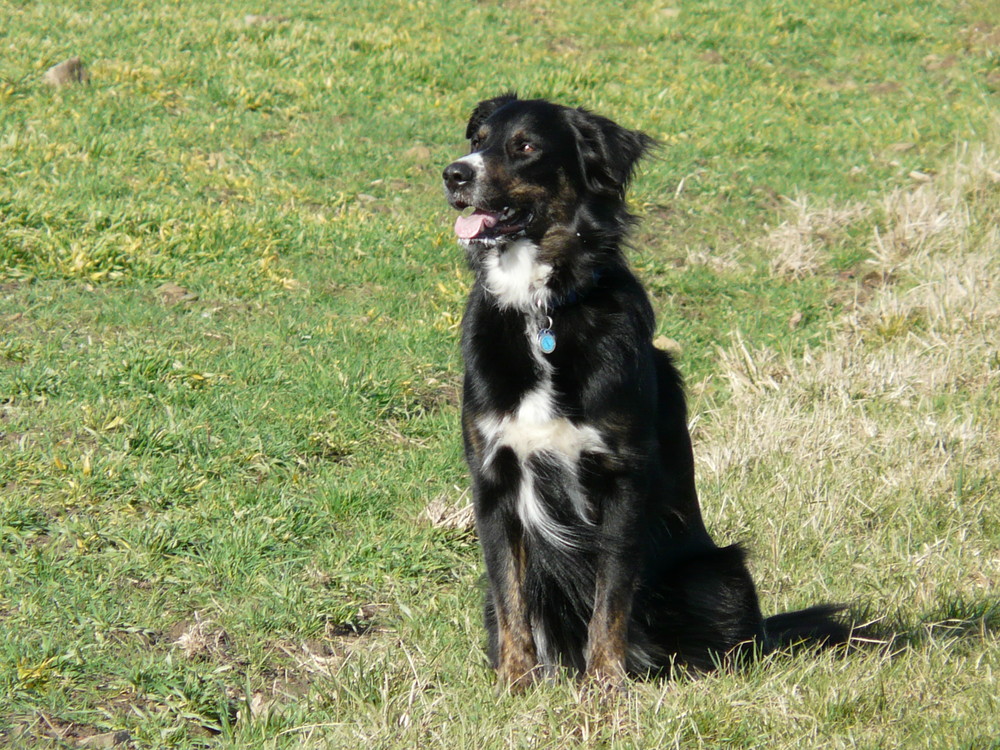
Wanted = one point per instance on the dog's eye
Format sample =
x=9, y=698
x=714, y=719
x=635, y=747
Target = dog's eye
x=527, y=147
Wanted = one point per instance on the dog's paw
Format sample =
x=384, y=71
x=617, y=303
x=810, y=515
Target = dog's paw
x=605, y=682
x=515, y=679
x=605, y=675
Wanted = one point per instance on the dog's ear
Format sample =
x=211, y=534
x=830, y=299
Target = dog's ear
x=608, y=152
x=486, y=108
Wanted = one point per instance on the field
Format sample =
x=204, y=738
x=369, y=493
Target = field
x=231, y=483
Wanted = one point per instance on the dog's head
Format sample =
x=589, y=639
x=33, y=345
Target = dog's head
x=535, y=167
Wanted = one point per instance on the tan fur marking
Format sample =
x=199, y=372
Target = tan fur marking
x=607, y=639
x=473, y=434
x=517, y=658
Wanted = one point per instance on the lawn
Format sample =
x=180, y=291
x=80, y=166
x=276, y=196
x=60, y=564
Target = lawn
x=230, y=467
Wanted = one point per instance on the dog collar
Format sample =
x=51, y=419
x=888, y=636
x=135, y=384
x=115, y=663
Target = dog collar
x=546, y=337
x=576, y=295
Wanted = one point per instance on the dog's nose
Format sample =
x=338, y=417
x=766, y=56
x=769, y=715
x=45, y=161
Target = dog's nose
x=457, y=174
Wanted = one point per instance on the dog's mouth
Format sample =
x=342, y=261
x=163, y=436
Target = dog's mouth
x=482, y=225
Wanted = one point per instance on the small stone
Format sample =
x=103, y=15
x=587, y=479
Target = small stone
x=66, y=73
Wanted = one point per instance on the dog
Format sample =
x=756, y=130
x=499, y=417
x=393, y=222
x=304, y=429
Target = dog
x=575, y=427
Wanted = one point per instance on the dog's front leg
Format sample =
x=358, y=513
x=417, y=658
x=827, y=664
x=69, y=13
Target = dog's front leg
x=617, y=571
x=516, y=657
x=494, y=486
x=607, y=635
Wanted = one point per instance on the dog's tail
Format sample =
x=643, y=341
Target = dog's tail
x=818, y=626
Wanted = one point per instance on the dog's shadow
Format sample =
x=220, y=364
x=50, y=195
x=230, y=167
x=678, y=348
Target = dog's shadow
x=957, y=619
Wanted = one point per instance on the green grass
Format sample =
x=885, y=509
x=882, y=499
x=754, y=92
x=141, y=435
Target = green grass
x=229, y=366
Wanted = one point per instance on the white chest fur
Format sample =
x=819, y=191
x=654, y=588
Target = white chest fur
x=535, y=428
x=516, y=277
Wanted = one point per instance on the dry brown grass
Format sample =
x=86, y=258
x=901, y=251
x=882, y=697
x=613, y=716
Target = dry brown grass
x=888, y=432
x=799, y=245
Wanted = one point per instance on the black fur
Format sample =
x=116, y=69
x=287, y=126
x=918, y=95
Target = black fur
x=622, y=576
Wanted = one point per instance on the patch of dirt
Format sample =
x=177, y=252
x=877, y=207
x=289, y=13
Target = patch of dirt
x=839, y=84
x=858, y=286
x=18, y=322
x=885, y=87
x=173, y=294
x=45, y=730
x=299, y=664
x=768, y=197
x=936, y=62
x=437, y=392
x=564, y=46
x=10, y=438
x=327, y=447
x=982, y=36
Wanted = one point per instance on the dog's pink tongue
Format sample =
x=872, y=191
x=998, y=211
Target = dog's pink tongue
x=467, y=227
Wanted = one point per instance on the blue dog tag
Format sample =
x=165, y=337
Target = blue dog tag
x=546, y=341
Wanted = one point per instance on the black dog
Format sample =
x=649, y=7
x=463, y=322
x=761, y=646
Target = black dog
x=575, y=426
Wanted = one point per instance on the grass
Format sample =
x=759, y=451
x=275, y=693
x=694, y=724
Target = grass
x=229, y=369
